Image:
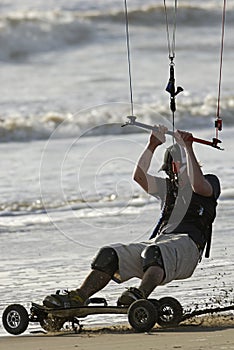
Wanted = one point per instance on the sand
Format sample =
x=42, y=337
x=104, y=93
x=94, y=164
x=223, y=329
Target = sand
x=216, y=332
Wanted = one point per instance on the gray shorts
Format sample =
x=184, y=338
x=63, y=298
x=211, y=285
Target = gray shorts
x=179, y=252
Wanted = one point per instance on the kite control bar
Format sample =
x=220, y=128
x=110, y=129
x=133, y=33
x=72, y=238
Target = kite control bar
x=132, y=122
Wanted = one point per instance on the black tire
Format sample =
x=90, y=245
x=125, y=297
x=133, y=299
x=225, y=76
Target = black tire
x=15, y=319
x=52, y=324
x=142, y=315
x=170, y=312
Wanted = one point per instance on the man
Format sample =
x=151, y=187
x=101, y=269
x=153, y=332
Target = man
x=177, y=242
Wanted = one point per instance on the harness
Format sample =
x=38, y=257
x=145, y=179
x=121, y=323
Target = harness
x=198, y=218
x=171, y=195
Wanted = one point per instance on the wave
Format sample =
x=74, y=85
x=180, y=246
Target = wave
x=192, y=113
x=154, y=15
x=90, y=207
x=32, y=32
x=227, y=194
x=23, y=34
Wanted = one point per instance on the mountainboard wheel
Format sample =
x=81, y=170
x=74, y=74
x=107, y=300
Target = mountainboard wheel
x=15, y=319
x=170, y=312
x=142, y=315
x=52, y=324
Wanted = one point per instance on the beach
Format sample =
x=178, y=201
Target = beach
x=206, y=333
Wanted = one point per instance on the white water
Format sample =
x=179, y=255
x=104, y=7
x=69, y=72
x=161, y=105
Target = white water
x=57, y=59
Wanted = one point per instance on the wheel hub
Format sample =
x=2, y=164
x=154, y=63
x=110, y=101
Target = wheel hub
x=141, y=315
x=13, y=319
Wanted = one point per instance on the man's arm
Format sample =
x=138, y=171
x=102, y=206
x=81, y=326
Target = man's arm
x=198, y=182
x=140, y=175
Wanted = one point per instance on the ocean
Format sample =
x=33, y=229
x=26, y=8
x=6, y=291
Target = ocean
x=66, y=178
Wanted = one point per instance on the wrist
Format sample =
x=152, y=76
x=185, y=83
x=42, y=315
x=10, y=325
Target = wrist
x=189, y=147
x=153, y=146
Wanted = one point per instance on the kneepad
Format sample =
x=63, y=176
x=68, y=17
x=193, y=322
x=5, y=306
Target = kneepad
x=106, y=261
x=152, y=257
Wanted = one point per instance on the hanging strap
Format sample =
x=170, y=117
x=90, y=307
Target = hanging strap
x=171, y=53
x=218, y=122
x=171, y=41
x=129, y=56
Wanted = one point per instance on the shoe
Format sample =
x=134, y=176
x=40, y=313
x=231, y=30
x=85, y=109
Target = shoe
x=129, y=296
x=64, y=301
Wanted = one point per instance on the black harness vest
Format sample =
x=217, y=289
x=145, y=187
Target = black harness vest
x=199, y=213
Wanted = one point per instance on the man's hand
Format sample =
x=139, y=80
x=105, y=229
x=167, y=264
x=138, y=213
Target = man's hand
x=184, y=138
x=199, y=183
x=158, y=137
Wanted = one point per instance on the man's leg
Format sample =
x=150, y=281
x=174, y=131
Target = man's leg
x=104, y=265
x=153, y=269
x=152, y=278
x=103, y=268
x=94, y=282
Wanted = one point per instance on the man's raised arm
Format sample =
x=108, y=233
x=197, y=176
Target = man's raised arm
x=140, y=175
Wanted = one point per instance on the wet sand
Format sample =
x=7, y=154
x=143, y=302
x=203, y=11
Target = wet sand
x=216, y=332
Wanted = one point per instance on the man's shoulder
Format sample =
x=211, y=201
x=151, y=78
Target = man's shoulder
x=215, y=183
x=212, y=178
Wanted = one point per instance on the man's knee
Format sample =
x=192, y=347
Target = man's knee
x=152, y=257
x=106, y=261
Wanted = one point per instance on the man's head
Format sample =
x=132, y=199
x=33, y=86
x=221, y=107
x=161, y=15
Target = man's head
x=174, y=160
